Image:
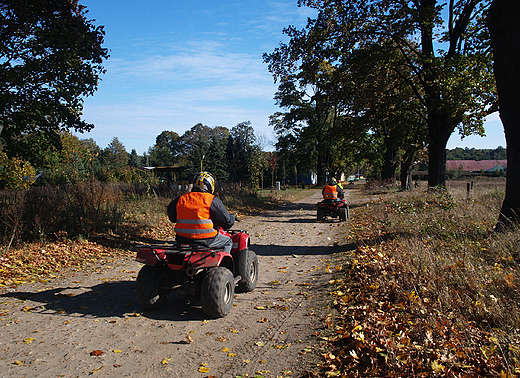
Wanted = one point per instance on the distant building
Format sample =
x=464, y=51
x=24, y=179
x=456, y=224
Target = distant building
x=477, y=166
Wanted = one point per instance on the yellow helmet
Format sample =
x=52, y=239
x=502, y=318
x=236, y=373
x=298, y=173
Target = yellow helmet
x=204, y=181
x=333, y=181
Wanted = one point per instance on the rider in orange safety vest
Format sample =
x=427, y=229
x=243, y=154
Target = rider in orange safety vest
x=332, y=191
x=199, y=214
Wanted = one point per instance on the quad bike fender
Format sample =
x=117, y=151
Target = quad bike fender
x=208, y=259
x=149, y=256
x=241, y=241
x=332, y=205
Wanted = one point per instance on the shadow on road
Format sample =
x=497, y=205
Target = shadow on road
x=105, y=300
x=284, y=250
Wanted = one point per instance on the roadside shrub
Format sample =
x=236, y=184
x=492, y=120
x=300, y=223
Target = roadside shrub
x=12, y=216
x=15, y=173
x=49, y=212
x=374, y=186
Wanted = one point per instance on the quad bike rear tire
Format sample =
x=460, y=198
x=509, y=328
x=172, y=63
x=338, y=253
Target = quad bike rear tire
x=247, y=268
x=321, y=214
x=152, y=288
x=217, y=292
x=343, y=213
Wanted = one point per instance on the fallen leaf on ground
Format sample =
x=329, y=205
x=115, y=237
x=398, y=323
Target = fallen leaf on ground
x=96, y=370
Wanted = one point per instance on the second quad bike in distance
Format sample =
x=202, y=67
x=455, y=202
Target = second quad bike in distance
x=198, y=271
x=334, y=209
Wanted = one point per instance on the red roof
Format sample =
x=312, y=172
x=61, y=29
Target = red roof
x=474, y=165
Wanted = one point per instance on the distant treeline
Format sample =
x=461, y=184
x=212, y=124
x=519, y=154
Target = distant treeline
x=460, y=153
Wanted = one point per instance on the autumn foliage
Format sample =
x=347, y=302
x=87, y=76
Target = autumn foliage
x=426, y=288
x=15, y=173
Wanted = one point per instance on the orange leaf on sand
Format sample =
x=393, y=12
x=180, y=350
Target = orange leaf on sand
x=97, y=353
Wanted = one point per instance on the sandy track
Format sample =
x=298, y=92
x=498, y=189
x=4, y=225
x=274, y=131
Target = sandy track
x=51, y=329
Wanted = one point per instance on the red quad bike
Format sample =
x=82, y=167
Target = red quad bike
x=197, y=271
x=334, y=209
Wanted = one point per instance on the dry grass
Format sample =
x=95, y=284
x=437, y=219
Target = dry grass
x=430, y=261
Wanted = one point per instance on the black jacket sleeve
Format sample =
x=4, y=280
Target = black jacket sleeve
x=172, y=210
x=220, y=216
x=341, y=193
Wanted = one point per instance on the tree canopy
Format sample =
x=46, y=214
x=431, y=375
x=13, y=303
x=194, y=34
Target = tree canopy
x=408, y=73
x=51, y=56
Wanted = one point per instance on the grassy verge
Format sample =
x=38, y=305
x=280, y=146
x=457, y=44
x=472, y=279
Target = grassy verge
x=426, y=288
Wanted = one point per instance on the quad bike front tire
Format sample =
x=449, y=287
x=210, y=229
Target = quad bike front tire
x=247, y=268
x=321, y=214
x=152, y=287
x=217, y=292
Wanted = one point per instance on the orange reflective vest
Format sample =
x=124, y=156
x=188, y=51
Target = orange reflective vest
x=193, y=216
x=330, y=192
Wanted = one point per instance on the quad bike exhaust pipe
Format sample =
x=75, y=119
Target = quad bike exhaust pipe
x=191, y=271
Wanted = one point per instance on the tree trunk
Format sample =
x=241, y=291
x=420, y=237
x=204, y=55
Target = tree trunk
x=406, y=171
x=320, y=170
x=439, y=121
x=504, y=27
x=390, y=165
x=439, y=129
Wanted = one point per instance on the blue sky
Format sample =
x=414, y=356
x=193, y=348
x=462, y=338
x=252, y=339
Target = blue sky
x=176, y=63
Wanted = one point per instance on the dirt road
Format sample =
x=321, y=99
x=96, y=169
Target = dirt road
x=88, y=323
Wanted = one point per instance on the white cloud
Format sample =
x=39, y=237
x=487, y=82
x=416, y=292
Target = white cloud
x=168, y=78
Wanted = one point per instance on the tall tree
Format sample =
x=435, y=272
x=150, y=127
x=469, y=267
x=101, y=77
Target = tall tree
x=135, y=160
x=240, y=151
x=94, y=157
x=195, y=144
x=446, y=62
x=504, y=26
x=309, y=114
x=166, y=150
x=51, y=57
x=115, y=155
x=215, y=160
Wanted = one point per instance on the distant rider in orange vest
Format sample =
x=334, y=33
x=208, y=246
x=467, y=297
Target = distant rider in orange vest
x=332, y=191
x=199, y=214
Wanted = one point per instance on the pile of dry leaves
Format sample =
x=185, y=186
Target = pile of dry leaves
x=383, y=328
